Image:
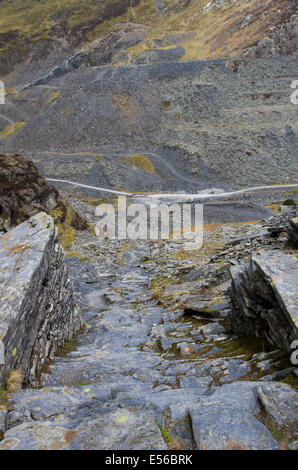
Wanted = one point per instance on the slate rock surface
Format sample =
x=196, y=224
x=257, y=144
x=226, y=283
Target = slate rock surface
x=264, y=298
x=37, y=311
x=280, y=402
x=293, y=232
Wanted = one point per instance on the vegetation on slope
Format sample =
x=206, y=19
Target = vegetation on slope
x=140, y=162
x=218, y=32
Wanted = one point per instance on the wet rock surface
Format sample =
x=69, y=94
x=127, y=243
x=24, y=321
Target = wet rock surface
x=37, y=311
x=150, y=371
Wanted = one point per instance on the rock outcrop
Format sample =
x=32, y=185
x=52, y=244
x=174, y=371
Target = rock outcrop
x=37, y=311
x=293, y=232
x=280, y=39
x=24, y=193
x=264, y=298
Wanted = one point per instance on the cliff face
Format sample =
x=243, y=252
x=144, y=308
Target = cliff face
x=134, y=31
x=37, y=313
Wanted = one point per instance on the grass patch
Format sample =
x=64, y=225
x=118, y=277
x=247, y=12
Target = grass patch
x=70, y=345
x=53, y=97
x=290, y=379
x=165, y=435
x=293, y=191
x=17, y=125
x=75, y=254
x=3, y=398
x=275, y=207
x=66, y=237
x=5, y=129
x=243, y=346
x=140, y=162
x=96, y=202
x=157, y=286
x=166, y=104
x=218, y=32
x=12, y=384
x=63, y=221
x=81, y=383
x=13, y=381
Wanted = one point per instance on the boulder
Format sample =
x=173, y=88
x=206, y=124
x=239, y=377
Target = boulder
x=264, y=298
x=293, y=232
x=37, y=311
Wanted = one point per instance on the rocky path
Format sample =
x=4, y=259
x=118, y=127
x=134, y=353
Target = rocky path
x=155, y=366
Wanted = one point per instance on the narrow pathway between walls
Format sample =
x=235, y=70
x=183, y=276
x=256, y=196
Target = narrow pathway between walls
x=154, y=366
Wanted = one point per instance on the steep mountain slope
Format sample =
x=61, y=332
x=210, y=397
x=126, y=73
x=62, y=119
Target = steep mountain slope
x=101, y=81
x=142, y=31
x=216, y=122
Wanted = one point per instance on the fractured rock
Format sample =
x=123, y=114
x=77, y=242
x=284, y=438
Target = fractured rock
x=293, y=232
x=264, y=298
x=37, y=311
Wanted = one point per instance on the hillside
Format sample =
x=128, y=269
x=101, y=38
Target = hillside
x=142, y=31
x=196, y=129
x=80, y=92
x=170, y=323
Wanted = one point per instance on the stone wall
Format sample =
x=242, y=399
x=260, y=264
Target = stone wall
x=37, y=311
x=264, y=298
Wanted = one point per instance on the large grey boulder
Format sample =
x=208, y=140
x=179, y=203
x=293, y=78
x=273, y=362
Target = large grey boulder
x=264, y=298
x=293, y=232
x=37, y=311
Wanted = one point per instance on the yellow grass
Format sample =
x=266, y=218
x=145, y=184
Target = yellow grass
x=141, y=162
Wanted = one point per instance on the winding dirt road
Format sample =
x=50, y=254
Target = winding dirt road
x=180, y=196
